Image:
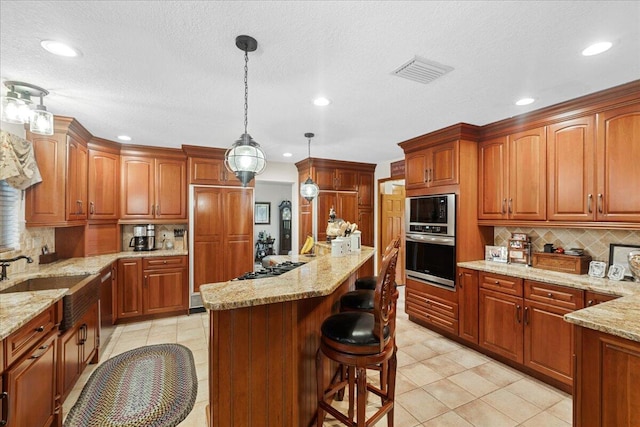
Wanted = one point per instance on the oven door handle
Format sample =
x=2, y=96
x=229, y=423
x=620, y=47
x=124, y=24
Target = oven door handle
x=448, y=241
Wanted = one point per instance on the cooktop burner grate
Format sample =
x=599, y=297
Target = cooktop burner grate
x=271, y=271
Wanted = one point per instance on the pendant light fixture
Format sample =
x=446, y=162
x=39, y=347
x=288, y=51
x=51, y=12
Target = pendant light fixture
x=16, y=107
x=245, y=158
x=309, y=189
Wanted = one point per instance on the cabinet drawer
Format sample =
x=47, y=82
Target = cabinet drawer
x=435, y=318
x=431, y=303
x=558, y=296
x=164, y=262
x=498, y=282
x=595, y=298
x=25, y=338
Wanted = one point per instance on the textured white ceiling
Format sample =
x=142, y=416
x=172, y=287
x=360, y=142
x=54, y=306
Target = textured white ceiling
x=168, y=72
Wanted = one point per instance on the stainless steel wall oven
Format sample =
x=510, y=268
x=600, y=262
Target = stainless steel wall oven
x=431, y=239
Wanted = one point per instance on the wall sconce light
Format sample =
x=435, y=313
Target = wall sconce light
x=16, y=107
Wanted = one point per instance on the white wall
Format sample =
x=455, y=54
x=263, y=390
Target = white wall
x=274, y=193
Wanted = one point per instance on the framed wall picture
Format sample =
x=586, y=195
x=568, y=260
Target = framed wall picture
x=619, y=254
x=262, y=213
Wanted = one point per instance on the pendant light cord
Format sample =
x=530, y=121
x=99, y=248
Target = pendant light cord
x=310, y=160
x=246, y=89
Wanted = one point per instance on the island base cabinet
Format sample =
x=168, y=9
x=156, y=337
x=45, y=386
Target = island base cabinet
x=30, y=387
x=606, y=389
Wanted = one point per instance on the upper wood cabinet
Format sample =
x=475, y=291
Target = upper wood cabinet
x=493, y=173
x=618, y=171
x=365, y=188
x=433, y=166
x=104, y=179
x=206, y=167
x=336, y=178
x=61, y=198
x=153, y=187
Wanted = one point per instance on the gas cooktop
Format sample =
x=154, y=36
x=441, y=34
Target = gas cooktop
x=271, y=271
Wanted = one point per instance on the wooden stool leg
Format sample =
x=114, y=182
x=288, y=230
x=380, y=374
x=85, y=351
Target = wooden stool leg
x=343, y=376
x=391, y=390
x=351, y=373
x=320, y=388
x=362, y=396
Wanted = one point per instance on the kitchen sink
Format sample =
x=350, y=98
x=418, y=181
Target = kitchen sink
x=84, y=291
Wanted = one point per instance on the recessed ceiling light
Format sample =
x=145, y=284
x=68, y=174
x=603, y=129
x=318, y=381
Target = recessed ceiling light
x=124, y=137
x=59, y=48
x=525, y=101
x=321, y=102
x=597, y=48
x=287, y=154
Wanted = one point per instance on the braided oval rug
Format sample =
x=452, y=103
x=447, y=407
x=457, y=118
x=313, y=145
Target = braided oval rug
x=149, y=386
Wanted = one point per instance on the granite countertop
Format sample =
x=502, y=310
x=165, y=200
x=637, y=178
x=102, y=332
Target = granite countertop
x=620, y=317
x=17, y=308
x=320, y=276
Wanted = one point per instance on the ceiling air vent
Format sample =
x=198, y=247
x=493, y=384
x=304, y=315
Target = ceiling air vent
x=421, y=70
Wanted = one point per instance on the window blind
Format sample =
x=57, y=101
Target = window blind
x=9, y=202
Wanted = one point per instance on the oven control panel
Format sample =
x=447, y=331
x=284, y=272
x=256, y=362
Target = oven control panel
x=431, y=229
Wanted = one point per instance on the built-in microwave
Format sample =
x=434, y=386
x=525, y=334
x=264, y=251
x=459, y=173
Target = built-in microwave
x=431, y=214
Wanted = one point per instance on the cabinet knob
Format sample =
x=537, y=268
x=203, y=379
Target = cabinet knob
x=497, y=282
x=590, y=303
x=40, y=329
x=164, y=262
x=550, y=295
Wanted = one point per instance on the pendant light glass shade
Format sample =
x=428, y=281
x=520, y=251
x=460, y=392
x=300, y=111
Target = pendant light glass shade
x=13, y=108
x=309, y=189
x=41, y=121
x=245, y=158
x=17, y=104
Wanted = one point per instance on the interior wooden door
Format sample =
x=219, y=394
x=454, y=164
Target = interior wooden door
x=238, y=231
x=392, y=226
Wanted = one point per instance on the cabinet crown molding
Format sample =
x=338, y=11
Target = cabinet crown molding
x=303, y=165
x=460, y=131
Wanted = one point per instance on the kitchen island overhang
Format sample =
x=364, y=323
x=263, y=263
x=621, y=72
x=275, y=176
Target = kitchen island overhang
x=264, y=334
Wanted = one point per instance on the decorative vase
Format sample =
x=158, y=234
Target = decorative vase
x=634, y=264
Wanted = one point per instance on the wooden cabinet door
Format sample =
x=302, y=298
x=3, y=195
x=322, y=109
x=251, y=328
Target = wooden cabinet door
x=347, y=206
x=69, y=356
x=365, y=189
x=443, y=164
x=129, y=289
x=137, y=188
x=416, y=170
x=238, y=231
x=31, y=386
x=346, y=180
x=493, y=173
x=468, y=304
x=46, y=201
x=365, y=225
x=171, y=189
x=548, y=341
x=208, y=238
x=325, y=178
x=90, y=340
x=77, y=163
x=104, y=169
x=210, y=172
x=501, y=324
x=528, y=175
x=618, y=151
x=165, y=290
x=326, y=200
x=570, y=170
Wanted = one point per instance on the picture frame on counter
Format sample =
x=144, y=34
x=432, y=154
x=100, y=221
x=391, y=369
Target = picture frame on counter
x=496, y=253
x=616, y=272
x=619, y=254
x=519, y=236
x=262, y=213
x=597, y=269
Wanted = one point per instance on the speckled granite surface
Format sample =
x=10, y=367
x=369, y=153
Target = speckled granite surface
x=620, y=317
x=320, y=276
x=18, y=308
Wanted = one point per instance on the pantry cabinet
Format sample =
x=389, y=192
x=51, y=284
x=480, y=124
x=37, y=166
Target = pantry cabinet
x=153, y=185
x=432, y=167
x=61, y=198
x=151, y=286
x=346, y=207
x=78, y=347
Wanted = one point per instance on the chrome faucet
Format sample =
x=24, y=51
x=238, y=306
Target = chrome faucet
x=4, y=263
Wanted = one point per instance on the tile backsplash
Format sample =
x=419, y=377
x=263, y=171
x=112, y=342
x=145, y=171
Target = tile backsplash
x=31, y=242
x=595, y=242
x=164, y=232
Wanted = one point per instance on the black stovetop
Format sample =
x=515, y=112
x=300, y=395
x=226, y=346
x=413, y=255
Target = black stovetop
x=271, y=271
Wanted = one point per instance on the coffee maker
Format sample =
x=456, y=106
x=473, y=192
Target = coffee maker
x=144, y=238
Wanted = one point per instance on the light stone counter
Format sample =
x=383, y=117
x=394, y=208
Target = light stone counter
x=620, y=317
x=320, y=276
x=17, y=308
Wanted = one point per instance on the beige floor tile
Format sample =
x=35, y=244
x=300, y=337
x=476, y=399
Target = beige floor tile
x=441, y=345
x=404, y=384
x=449, y=393
x=444, y=365
x=401, y=418
x=129, y=327
x=167, y=338
x=468, y=358
x=421, y=405
x=511, y=405
x=539, y=394
x=203, y=391
x=165, y=321
x=200, y=356
x=197, y=417
x=544, y=419
x=448, y=419
x=473, y=383
x=202, y=371
x=196, y=344
x=420, y=374
x=420, y=351
x=404, y=359
x=497, y=373
x=191, y=334
x=481, y=414
x=563, y=410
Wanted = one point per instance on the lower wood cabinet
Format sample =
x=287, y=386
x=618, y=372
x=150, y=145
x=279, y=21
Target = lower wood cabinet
x=432, y=305
x=606, y=391
x=152, y=286
x=77, y=348
x=501, y=324
x=468, y=305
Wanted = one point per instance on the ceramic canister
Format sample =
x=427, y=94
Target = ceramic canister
x=337, y=247
x=356, y=241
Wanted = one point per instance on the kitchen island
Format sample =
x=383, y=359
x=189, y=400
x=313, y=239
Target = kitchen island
x=264, y=335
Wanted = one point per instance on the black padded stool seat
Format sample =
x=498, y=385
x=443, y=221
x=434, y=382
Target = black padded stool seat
x=358, y=300
x=353, y=329
x=367, y=282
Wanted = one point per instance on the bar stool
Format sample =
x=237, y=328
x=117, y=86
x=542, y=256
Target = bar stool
x=369, y=282
x=361, y=341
